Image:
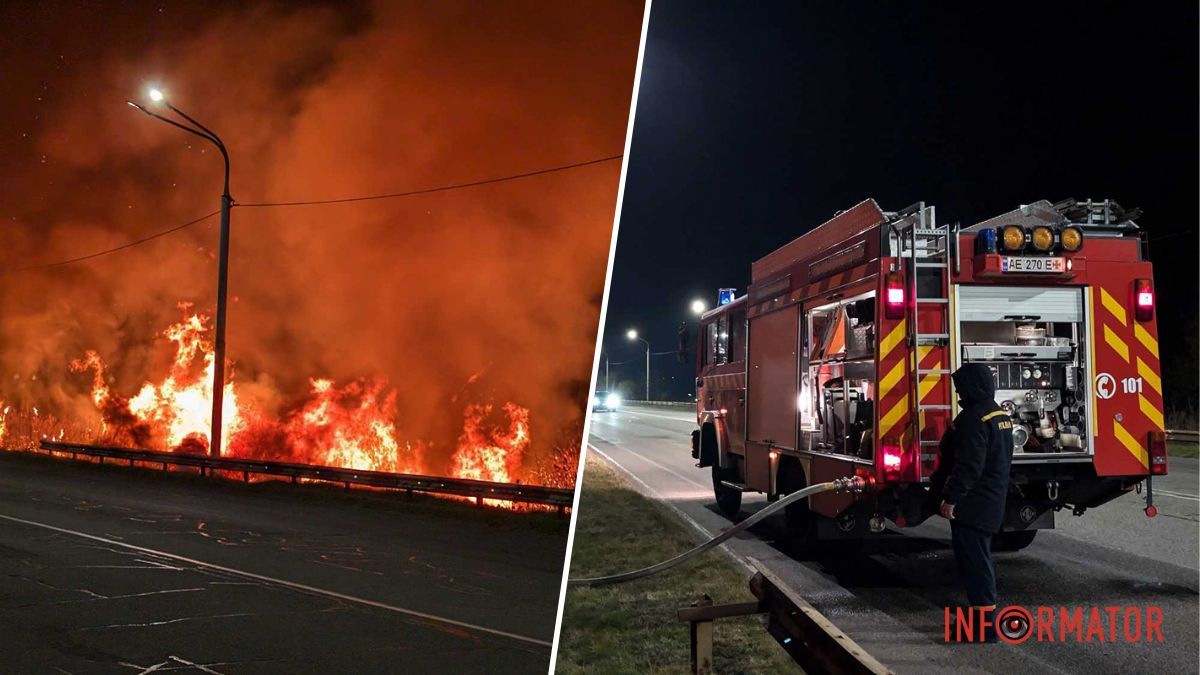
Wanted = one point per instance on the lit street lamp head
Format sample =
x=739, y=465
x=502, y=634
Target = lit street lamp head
x=197, y=129
x=698, y=307
x=632, y=334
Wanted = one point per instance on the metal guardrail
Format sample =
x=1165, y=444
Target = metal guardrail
x=1183, y=435
x=666, y=404
x=461, y=487
x=812, y=640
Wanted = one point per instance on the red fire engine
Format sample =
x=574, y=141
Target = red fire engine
x=837, y=362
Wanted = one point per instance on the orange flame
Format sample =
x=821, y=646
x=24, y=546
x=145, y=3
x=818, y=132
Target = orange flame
x=351, y=426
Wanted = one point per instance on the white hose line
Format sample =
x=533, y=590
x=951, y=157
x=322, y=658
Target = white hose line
x=854, y=484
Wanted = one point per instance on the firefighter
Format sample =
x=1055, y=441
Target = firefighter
x=971, y=482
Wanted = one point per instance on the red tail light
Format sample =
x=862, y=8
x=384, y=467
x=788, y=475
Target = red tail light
x=1158, y=453
x=1143, y=299
x=896, y=464
x=893, y=296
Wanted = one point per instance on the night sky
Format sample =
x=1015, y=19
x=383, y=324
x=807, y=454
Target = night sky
x=758, y=122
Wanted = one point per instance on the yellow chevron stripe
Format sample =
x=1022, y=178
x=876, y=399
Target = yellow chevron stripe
x=1116, y=342
x=893, y=416
x=1146, y=339
x=890, y=380
x=1149, y=376
x=993, y=414
x=1110, y=303
x=928, y=382
x=892, y=339
x=1130, y=444
x=1153, y=414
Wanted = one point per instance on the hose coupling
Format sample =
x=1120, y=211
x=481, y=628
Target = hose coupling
x=849, y=484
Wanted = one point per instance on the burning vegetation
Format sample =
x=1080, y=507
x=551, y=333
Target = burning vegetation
x=353, y=425
x=448, y=333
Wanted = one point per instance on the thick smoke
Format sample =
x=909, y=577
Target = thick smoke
x=484, y=294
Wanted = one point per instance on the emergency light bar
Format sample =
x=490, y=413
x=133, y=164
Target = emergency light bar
x=1040, y=239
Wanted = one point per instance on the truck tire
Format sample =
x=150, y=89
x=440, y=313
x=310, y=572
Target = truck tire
x=801, y=521
x=729, y=500
x=1013, y=541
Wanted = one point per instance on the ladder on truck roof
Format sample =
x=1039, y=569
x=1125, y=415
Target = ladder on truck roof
x=927, y=248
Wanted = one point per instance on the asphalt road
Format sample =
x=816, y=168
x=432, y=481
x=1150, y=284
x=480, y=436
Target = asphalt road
x=891, y=599
x=118, y=570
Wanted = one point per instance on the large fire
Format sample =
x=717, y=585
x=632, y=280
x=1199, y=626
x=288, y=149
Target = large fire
x=352, y=425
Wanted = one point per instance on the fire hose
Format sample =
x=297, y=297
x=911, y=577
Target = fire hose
x=848, y=484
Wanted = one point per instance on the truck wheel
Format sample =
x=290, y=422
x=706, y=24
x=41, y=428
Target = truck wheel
x=801, y=521
x=1013, y=541
x=729, y=500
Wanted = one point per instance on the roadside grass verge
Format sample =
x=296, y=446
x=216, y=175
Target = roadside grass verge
x=1182, y=449
x=631, y=627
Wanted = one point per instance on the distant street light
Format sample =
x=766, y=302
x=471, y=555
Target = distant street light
x=633, y=335
x=157, y=96
x=698, y=307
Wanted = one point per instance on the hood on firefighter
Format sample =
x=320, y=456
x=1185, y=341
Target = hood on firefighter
x=974, y=384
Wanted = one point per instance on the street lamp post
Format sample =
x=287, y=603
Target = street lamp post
x=214, y=446
x=633, y=335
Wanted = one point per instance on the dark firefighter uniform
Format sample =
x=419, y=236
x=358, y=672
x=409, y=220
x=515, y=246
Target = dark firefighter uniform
x=972, y=480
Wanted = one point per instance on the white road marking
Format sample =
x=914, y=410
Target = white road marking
x=283, y=582
x=690, y=421
x=691, y=522
x=669, y=470
x=1177, y=495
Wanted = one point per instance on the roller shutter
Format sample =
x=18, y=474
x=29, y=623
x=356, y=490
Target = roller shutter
x=1001, y=303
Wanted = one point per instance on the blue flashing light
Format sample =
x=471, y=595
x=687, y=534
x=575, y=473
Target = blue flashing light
x=726, y=295
x=985, y=241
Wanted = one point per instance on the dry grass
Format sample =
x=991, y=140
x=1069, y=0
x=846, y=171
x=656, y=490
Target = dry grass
x=631, y=627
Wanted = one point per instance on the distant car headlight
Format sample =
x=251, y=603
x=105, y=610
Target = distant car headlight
x=595, y=400
x=613, y=401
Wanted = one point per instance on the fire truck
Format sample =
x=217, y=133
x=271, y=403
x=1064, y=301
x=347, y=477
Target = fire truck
x=837, y=362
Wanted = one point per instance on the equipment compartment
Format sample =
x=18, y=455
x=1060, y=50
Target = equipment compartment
x=1032, y=343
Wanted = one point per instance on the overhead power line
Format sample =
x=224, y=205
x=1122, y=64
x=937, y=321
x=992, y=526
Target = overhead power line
x=315, y=202
x=122, y=247
x=443, y=188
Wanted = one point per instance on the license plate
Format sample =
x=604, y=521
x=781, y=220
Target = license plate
x=1025, y=265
